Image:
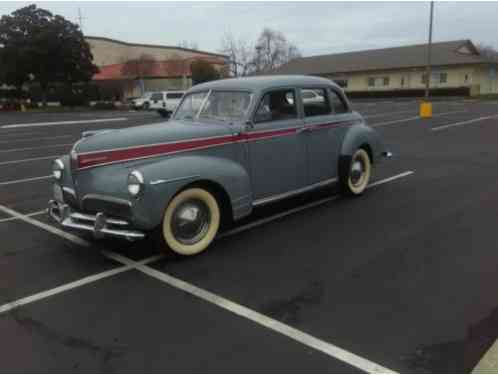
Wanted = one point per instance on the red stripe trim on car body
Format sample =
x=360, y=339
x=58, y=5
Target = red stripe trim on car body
x=105, y=157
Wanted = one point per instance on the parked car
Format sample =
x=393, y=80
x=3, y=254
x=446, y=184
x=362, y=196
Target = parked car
x=142, y=102
x=230, y=146
x=165, y=102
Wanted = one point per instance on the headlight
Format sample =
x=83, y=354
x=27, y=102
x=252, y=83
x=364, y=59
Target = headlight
x=57, y=169
x=135, y=183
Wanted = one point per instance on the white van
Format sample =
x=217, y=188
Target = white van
x=165, y=102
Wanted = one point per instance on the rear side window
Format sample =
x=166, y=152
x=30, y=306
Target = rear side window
x=315, y=102
x=338, y=104
x=174, y=95
x=276, y=105
x=157, y=96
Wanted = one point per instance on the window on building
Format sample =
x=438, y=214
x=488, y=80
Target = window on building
x=276, y=105
x=315, y=102
x=423, y=78
x=443, y=77
x=338, y=103
x=371, y=81
x=402, y=81
x=385, y=81
x=466, y=78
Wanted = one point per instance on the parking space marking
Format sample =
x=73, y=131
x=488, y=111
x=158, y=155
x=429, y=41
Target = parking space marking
x=257, y=223
x=462, y=123
x=72, y=122
x=489, y=362
x=27, y=160
x=12, y=182
x=37, y=148
x=49, y=228
x=37, y=139
x=75, y=284
x=388, y=114
x=27, y=215
x=378, y=124
x=256, y=317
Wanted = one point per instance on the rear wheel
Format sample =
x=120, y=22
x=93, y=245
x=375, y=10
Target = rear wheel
x=191, y=221
x=356, y=180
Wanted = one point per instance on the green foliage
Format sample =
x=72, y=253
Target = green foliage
x=202, y=71
x=37, y=45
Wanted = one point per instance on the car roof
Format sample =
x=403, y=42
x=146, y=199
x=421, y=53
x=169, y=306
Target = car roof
x=259, y=83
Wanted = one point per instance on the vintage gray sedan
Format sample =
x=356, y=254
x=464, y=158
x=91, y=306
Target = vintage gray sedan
x=230, y=146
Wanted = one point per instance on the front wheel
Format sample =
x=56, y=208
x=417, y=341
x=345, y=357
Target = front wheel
x=191, y=221
x=356, y=180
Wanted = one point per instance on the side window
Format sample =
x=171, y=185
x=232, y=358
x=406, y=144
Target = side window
x=157, y=96
x=276, y=105
x=337, y=103
x=174, y=95
x=315, y=102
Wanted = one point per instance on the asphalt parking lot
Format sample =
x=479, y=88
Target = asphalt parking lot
x=402, y=279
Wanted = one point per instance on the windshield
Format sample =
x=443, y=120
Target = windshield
x=228, y=106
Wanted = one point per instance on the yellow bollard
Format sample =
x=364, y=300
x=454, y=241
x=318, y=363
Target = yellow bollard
x=425, y=110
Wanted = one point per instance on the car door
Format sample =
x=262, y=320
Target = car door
x=323, y=124
x=156, y=100
x=276, y=151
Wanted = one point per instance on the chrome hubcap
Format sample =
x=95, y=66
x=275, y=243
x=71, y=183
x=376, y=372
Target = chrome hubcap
x=190, y=221
x=357, y=172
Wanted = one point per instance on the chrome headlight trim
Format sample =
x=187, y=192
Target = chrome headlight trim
x=57, y=169
x=135, y=183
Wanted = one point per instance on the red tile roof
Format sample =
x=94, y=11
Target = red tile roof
x=144, y=69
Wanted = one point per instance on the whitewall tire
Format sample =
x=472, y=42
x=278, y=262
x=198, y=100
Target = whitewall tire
x=358, y=176
x=191, y=221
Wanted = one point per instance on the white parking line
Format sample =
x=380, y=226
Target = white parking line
x=37, y=139
x=27, y=215
x=27, y=160
x=37, y=148
x=49, y=228
x=94, y=121
x=257, y=223
x=388, y=114
x=462, y=123
x=256, y=317
x=12, y=182
x=378, y=124
x=75, y=284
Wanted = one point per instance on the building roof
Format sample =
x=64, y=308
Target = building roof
x=149, y=69
x=155, y=46
x=456, y=52
x=258, y=83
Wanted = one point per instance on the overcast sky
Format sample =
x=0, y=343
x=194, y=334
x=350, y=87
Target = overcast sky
x=315, y=27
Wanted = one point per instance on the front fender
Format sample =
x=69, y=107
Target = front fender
x=362, y=134
x=164, y=178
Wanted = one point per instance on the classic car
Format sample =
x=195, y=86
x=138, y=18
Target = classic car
x=230, y=146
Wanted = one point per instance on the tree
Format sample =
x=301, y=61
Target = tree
x=240, y=54
x=35, y=44
x=203, y=71
x=270, y=51
x=488, y=52
x=273, y=50
x=188, y=44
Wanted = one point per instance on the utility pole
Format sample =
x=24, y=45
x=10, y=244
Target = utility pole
x=429, y=47
x=80, y=19
x=426, y=105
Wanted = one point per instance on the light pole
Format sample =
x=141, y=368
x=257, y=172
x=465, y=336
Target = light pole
x=426, y=105
x=429, y=46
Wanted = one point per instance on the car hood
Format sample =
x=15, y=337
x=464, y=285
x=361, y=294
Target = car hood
x=165, y=132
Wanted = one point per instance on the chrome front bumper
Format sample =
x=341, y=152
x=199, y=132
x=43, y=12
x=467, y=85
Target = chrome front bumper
x=100, y=225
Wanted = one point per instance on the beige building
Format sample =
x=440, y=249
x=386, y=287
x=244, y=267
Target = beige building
x=129, y=69
x=457, y=68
